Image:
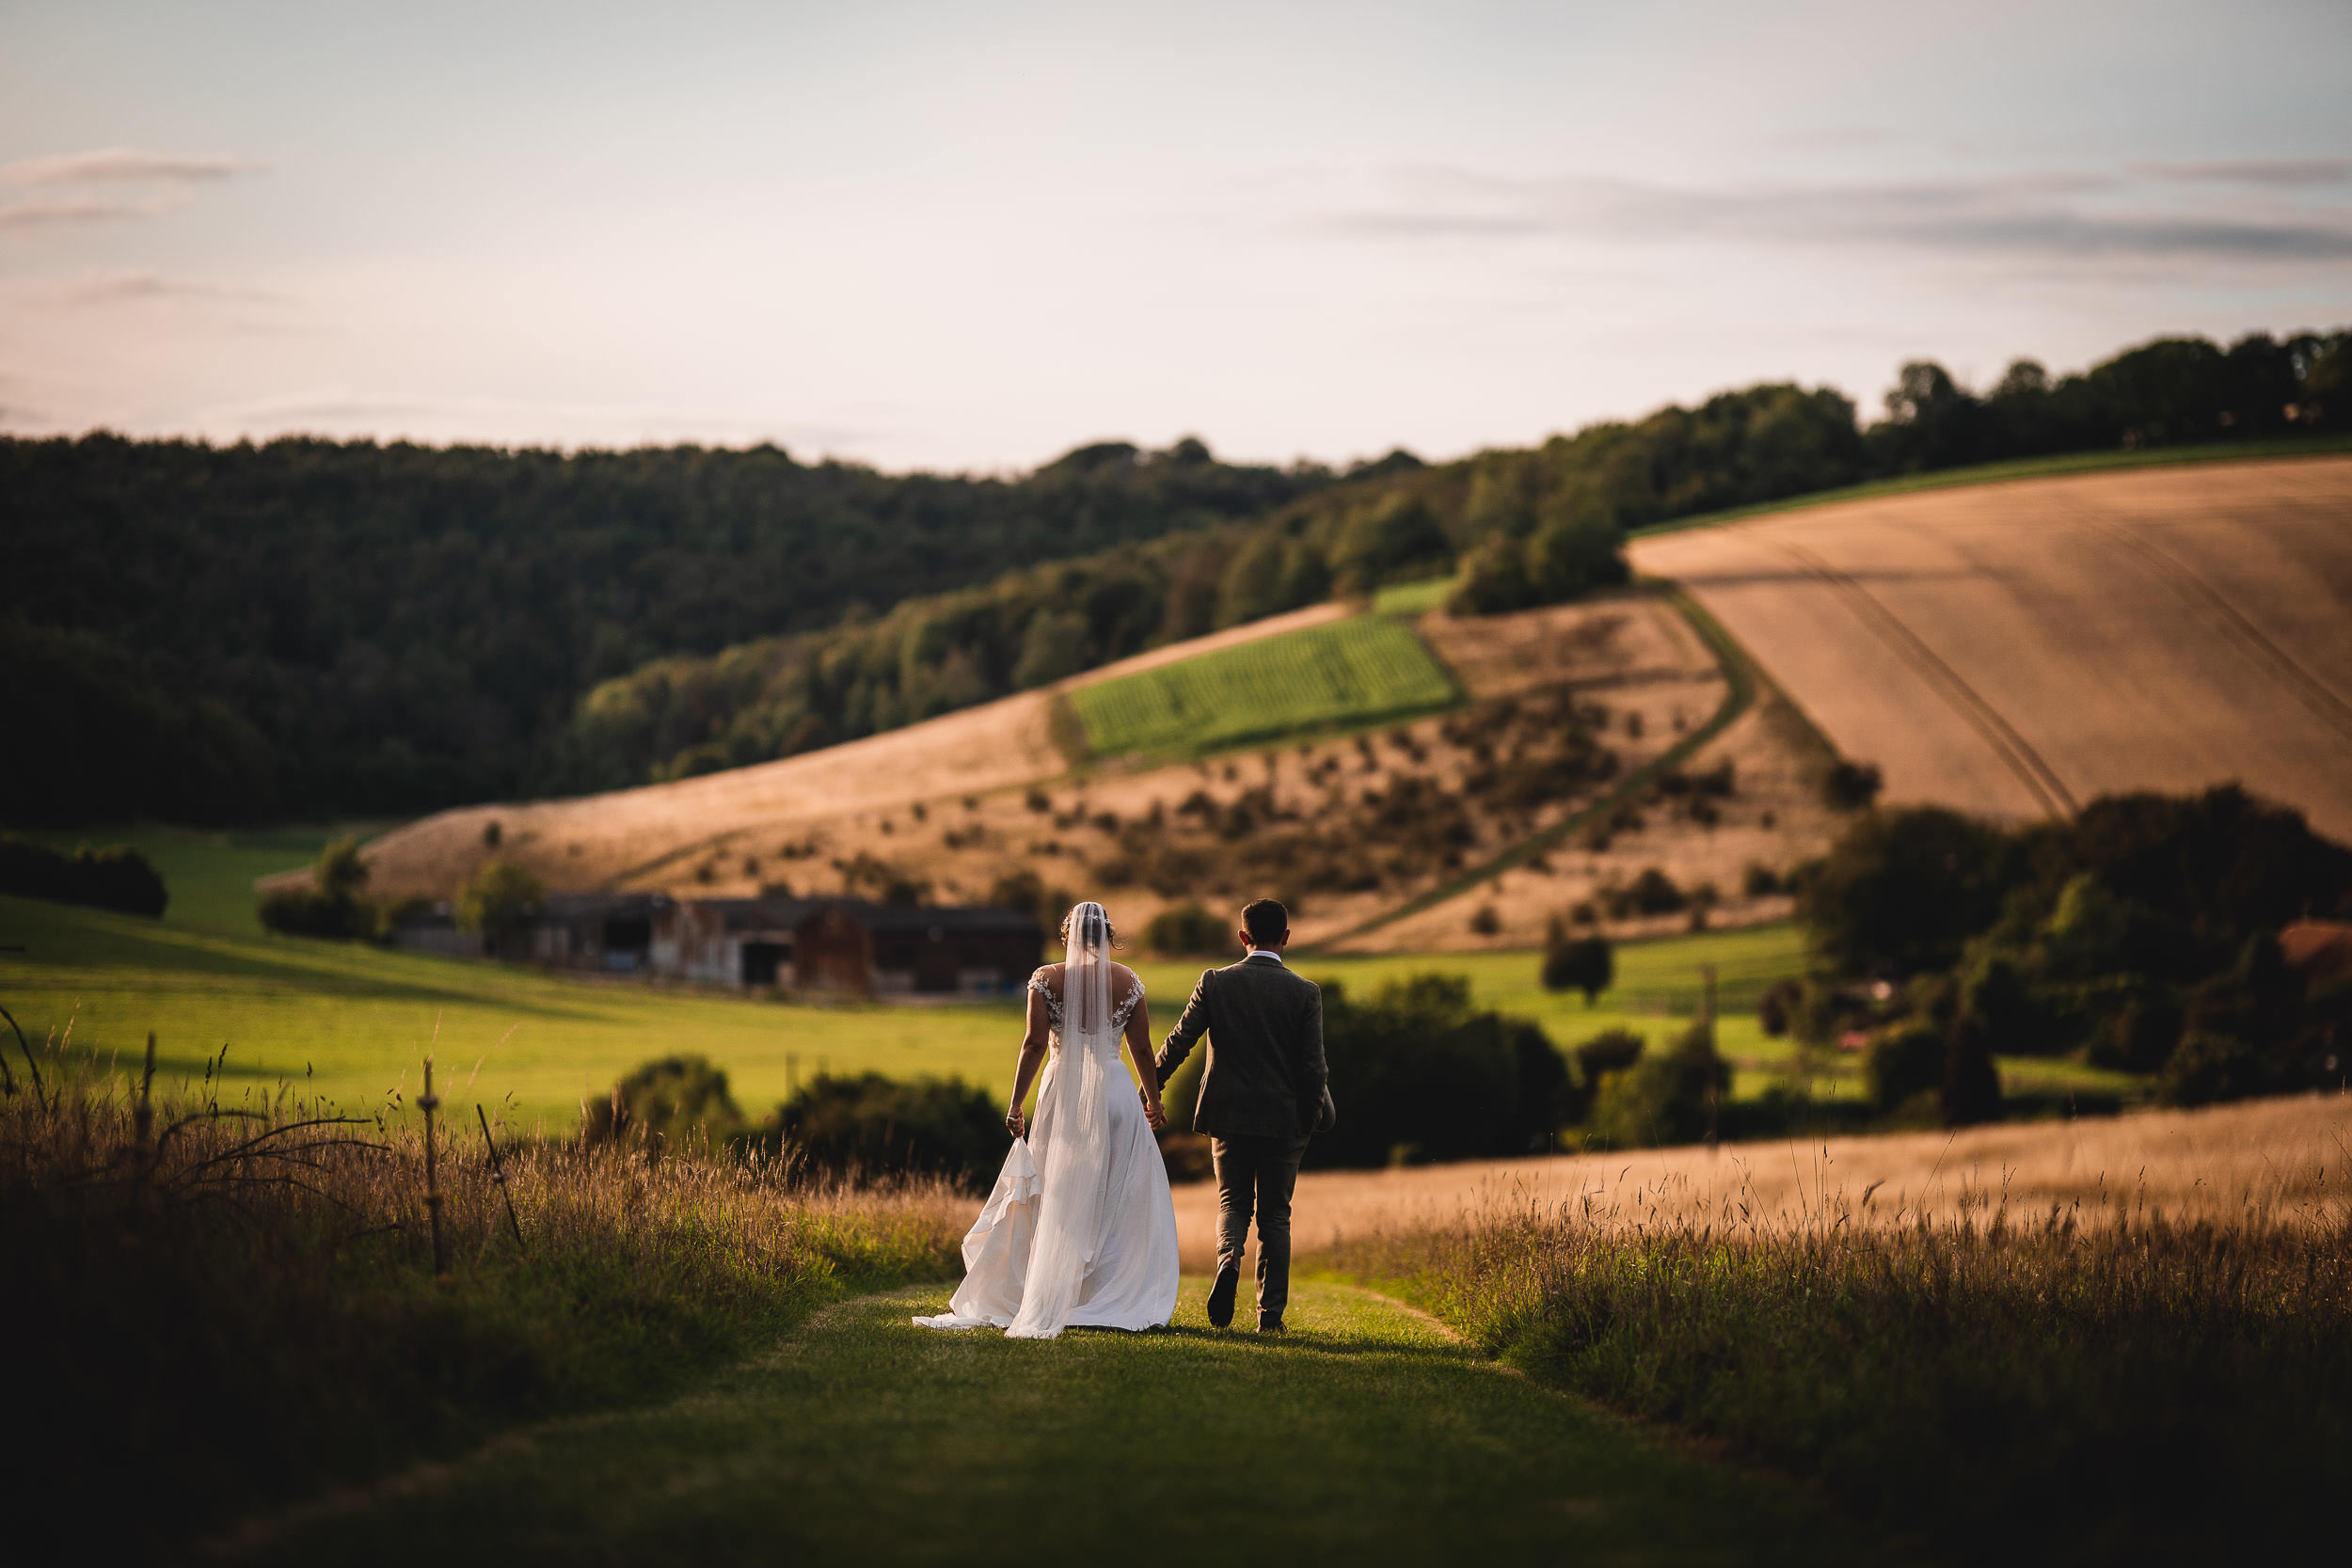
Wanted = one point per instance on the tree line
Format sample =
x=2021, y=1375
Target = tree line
x=307, y=628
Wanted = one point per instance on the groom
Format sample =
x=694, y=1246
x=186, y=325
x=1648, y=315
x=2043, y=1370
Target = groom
x=1262, y=1095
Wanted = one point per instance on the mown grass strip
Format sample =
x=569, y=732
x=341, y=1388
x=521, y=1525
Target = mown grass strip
x=1366, y=670
x=1368, y=1435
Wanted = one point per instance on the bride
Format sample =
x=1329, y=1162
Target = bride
x=1080, y=1228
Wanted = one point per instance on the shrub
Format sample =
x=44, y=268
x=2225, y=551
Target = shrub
x=871, y=1126
x=331, y=907
x=1904, y=891
x=1760, y=881
x=1905, y=1061
x=664, y=1101
x=116, y=878
x=1971, y=1090
x=1850, y=786
x=1653, y=893
x=1484, y=922
x=1418, y=1064
x=1187, y=930
x=1611, y=1050
x=1583, y=963
x=1777, y=1009
x=1669, y=1098
x=501, y=903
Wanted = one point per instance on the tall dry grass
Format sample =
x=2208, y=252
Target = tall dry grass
x=213, y=1305
x=2042, y=1383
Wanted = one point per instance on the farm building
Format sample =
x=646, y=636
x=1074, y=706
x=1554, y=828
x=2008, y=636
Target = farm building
x=830, y=944
x=609, y=933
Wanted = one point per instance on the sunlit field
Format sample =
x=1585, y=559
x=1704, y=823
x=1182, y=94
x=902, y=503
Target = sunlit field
x=1355, y=672
x=355, y=1022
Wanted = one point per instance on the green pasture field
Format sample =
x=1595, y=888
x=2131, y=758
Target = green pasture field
x=1410, y=599
x=355, y=1021
x=1365, y=669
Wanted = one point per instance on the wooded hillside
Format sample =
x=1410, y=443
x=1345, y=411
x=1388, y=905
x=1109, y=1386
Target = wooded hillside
x=309, y=628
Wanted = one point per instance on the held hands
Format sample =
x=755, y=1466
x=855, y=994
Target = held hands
x=1016, y=1123
x=1151, y=1111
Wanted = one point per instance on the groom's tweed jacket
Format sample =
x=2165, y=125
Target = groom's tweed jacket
x=1266, y=1074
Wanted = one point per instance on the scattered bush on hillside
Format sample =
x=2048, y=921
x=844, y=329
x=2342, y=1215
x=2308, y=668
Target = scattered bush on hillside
x=1652, y=893
x=871, y=1128
x=1187, y=930
x=1418, y=1073
x=674, y=1103
x=116, y=878
x=1850, y=786
x=331, y=907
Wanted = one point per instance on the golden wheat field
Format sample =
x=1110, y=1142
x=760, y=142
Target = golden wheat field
x=2264, y=1159
x=2018, y=649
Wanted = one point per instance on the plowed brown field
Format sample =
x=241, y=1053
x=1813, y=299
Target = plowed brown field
x=2017, y=649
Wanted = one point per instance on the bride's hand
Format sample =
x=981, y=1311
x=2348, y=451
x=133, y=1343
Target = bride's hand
x=1015, y=1123
x=1151, y=1110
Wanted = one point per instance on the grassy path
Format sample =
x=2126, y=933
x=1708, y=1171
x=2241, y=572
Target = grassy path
x=1367, y=1435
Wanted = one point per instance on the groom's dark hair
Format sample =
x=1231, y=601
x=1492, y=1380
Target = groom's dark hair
x=1267, y=920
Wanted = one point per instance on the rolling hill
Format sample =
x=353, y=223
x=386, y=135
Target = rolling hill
x=2018, y=649
x=2014, y=649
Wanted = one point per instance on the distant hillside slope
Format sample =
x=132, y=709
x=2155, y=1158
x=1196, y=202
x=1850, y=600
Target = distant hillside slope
x=2018, y=649
x=1560, y=708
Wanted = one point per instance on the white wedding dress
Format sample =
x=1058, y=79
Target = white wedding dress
x=1079, y=1230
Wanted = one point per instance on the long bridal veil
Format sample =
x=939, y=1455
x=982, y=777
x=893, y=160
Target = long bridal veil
x=1077, y=1167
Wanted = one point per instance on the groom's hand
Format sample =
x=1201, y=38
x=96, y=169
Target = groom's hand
x=1151, y=1111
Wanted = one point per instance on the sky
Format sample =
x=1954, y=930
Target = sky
x=973, y=236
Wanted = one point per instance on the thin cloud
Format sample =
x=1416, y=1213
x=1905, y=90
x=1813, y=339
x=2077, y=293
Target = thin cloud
x=39, y=215
x=144, y=287
x=2030, y=215
x=123, y=165
x=2254, y=171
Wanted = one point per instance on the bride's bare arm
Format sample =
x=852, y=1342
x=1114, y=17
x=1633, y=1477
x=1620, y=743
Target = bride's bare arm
x=1024, y=1069
x=1140, y=1051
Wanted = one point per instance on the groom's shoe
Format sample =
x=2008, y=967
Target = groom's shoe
x=1271, y=1323
x=1221, y=1297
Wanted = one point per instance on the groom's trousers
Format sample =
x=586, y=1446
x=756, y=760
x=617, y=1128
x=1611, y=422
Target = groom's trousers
x=1256, y=1173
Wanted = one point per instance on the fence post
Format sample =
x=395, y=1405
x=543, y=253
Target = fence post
x=428, y=1102
x=1708, y=1011
x=497, y=1173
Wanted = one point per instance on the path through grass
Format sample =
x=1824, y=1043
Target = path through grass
x=1367, y=1437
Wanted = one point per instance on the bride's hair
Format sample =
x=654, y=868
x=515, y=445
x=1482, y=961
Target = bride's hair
x=1110, y=932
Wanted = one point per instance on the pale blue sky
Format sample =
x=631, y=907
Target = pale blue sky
x=974, y=236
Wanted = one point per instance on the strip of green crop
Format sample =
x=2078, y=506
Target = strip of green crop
x=1364, y=669
x=1743, y=679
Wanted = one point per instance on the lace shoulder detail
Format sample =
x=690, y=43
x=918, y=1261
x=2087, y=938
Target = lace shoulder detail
x=1119, y=1015
x=1126, y=1010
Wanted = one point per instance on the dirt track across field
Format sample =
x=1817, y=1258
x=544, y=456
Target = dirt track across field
x=2018, y=649
x=2222, y=1164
